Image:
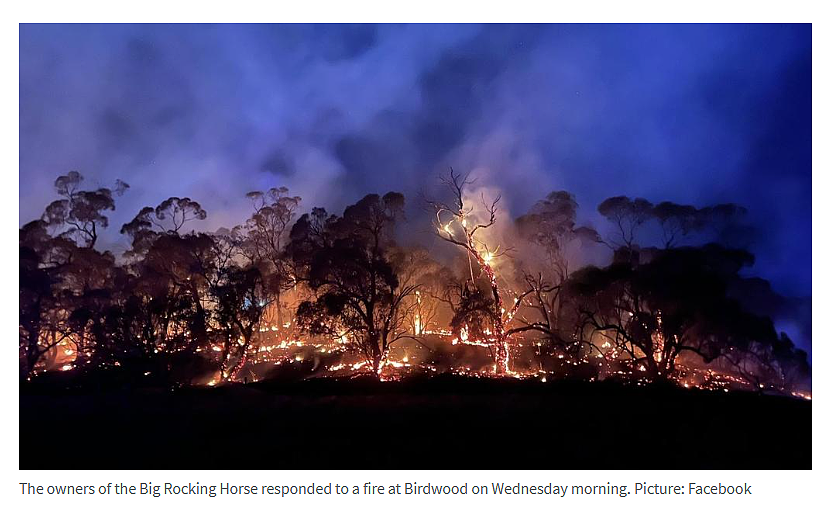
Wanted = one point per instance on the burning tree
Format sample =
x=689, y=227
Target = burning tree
x=175, y=272
x=62, y=273
x=416, y=267
x=266, y=234
x=184, y=305
x=675, y=306
x=353, y=267
x=455, y=223
x=43, y=311
x=241, y=299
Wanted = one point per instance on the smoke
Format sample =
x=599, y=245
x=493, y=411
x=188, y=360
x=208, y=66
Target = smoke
x=696, y=114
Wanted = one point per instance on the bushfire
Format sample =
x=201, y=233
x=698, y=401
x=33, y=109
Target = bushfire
x=461, y=356
x=321, y=295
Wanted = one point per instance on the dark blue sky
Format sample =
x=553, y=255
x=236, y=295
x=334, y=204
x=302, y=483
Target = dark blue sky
x=693, y=114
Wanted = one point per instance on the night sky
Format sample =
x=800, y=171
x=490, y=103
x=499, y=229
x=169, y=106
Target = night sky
x=695, y=114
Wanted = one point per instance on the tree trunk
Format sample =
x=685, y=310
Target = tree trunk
x=375, y=354
x=243, y=359
x=278, y=316
x=376, y=363
x=501, y=357
x=32, y=352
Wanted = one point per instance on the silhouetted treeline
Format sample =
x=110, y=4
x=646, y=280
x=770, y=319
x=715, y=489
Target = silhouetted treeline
x=181, y=305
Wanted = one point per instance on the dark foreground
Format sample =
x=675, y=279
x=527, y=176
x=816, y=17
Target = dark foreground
x=450, y=423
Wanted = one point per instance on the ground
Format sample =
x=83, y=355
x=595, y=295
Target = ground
x=437, y=423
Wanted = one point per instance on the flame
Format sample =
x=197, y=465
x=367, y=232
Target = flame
x=337, y=356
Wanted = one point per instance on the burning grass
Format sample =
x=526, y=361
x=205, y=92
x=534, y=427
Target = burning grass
x=439, y=352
